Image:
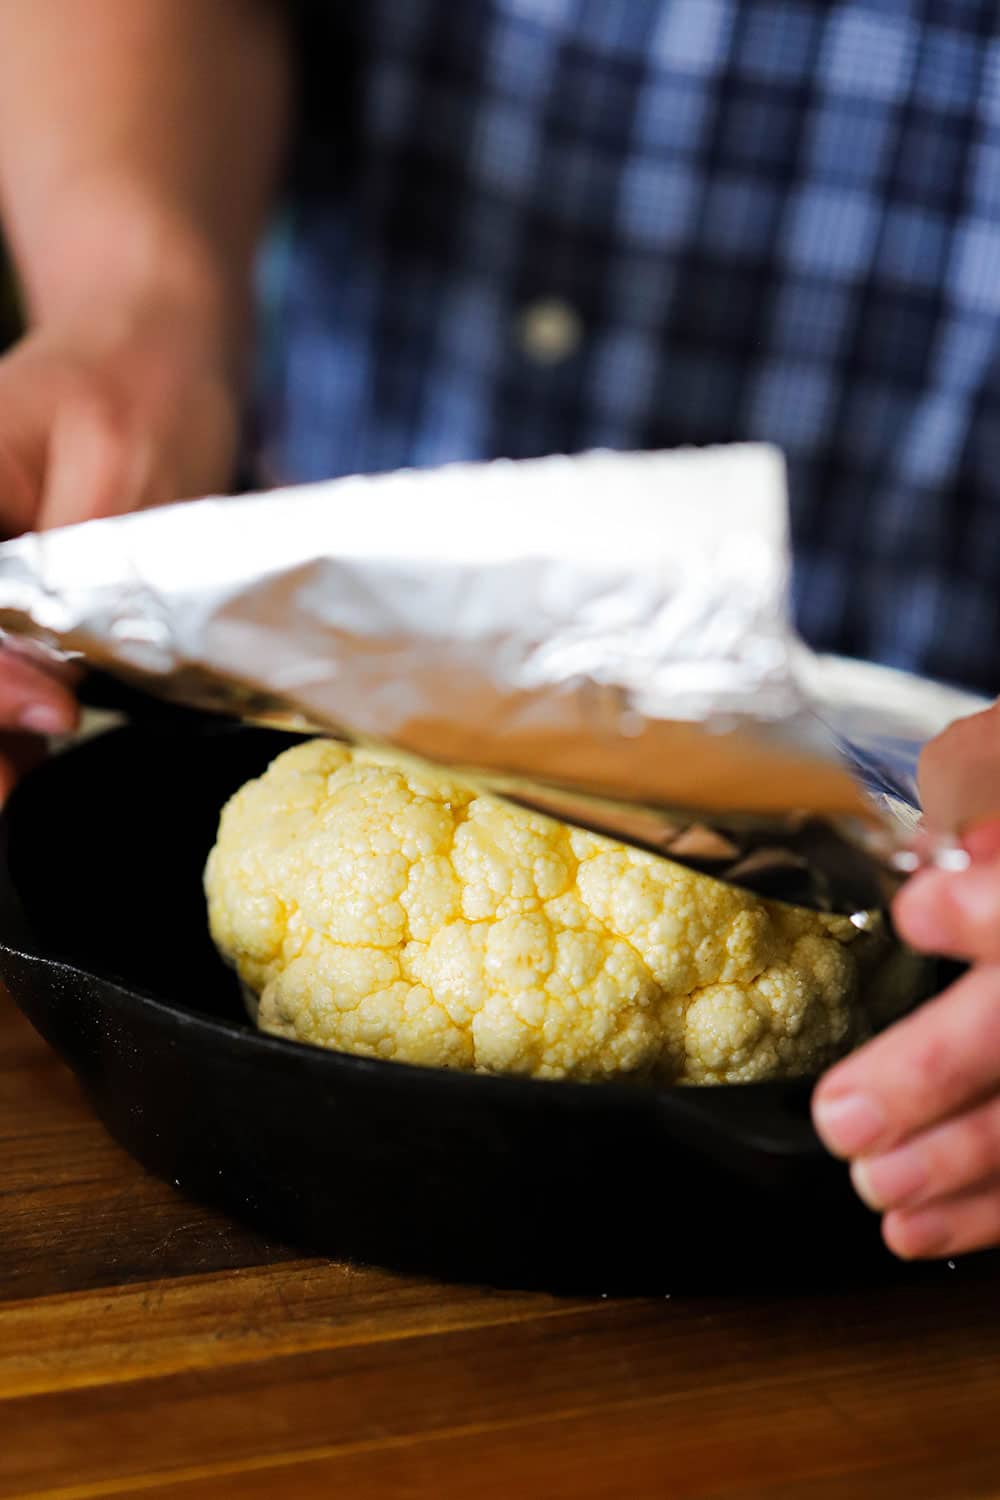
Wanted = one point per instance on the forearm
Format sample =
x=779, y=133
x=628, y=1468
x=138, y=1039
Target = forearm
x=139, y=144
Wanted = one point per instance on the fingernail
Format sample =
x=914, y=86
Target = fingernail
x=848, y=1124
x=42, y=718
x=917, y=1235
x=882, y=1181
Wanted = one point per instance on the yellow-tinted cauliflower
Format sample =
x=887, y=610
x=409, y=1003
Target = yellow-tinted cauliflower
x=382, y=908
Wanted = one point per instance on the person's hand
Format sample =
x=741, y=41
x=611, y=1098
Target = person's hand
x=109, y=414
x=917, y=1110
x=106, y=416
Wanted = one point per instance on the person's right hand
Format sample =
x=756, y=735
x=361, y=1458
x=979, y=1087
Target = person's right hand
x=99, y=418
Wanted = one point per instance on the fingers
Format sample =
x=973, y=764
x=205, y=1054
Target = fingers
x=32, y=700
x=951, y=1226
x=954, y=912
x=91, y=427
x=946, y=1160
x=925, y=1069
x=96, y=465
x=917, y=1111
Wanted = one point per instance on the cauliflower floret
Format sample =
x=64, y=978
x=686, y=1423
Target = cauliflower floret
x=381, y=908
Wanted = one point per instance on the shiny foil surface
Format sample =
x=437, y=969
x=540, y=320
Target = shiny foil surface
x=611, y=624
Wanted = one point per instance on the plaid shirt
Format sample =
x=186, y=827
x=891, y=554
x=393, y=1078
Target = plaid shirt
x=520, y=226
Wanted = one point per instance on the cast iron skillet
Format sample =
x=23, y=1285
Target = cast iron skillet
x=599, y=1187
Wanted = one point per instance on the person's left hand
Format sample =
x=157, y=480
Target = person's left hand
x=917, y=1110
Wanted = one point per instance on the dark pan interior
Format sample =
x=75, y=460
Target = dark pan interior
x=608, y=1188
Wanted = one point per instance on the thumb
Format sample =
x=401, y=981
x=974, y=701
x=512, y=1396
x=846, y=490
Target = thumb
x=96, y=467
x=960, y=773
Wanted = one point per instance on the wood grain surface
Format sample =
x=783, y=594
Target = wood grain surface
x=150, y=1348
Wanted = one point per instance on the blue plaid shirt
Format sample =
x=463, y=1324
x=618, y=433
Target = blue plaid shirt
x=520, y=226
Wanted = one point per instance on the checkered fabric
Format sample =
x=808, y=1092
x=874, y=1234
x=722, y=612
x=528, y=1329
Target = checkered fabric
x=757, y=219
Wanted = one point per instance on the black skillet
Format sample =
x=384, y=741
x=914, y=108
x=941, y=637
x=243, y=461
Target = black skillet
x=103, y=944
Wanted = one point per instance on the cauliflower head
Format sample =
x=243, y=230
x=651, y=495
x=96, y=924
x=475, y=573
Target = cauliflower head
x=380, y=907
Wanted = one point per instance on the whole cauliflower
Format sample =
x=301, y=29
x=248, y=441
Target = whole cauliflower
x=379, y=907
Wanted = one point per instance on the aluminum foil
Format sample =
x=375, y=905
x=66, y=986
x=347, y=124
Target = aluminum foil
x=612, y=626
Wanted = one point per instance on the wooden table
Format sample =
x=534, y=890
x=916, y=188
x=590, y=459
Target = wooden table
x=149, y=1348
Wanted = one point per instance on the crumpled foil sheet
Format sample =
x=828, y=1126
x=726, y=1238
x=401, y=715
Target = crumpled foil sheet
x=615, y=625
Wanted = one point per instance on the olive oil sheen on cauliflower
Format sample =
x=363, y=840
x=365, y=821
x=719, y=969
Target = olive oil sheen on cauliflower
x=382, y=908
